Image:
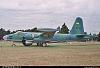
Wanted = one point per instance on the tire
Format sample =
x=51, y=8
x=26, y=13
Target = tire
x=40, y=44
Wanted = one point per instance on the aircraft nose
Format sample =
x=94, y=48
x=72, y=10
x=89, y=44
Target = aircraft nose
x=5, y=37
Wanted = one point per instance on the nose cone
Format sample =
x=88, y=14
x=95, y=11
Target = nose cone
x=5, y=37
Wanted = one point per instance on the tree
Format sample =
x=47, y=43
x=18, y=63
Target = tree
x=98, y=37
x=8, y=32
x=58, y=28
x=90, y=34
x=64, y=29
x=3, y=32
x=34, y=30
x=94, y=37
x=85, y=33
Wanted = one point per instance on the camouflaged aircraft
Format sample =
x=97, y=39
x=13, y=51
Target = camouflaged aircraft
x=49, y=35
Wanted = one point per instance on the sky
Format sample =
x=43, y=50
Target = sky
x=27, y=14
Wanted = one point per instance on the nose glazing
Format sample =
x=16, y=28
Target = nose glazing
x=5, y=37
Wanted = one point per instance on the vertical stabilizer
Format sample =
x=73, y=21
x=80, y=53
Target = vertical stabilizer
x=77, y=27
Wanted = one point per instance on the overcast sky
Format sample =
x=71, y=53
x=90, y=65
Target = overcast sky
x=27, y=14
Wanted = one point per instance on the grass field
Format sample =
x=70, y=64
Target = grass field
x=58, y=54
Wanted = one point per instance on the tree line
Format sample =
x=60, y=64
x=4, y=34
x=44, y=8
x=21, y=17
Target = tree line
x=63, y=30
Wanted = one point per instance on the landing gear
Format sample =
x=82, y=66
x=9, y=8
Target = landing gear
x=45, y=44
x=13, y=44
x=42, y=44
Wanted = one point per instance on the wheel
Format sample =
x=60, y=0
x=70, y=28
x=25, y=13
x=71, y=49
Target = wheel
x=40, y=44
x=45, y=44
x=37, y=44
x=27, y=44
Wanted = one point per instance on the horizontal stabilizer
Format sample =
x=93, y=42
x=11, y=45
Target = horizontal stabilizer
x=80, y=35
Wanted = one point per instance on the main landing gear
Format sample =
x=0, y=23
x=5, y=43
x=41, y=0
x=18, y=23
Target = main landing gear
x=42, y=44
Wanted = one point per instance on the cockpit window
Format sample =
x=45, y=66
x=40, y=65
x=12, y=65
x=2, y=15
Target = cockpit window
x=10, y=37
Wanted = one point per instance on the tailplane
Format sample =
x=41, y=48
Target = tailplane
x=77, y=27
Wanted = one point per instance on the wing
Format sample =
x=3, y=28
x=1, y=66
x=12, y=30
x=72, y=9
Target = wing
x=47, y=33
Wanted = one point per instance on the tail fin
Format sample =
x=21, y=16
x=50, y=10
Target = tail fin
x=77, y=27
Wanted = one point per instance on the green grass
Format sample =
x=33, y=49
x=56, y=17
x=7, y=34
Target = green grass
x=59, y=54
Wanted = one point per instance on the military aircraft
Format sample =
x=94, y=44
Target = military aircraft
x=49, y=35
